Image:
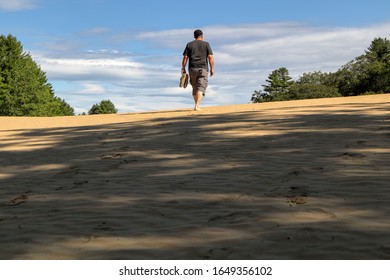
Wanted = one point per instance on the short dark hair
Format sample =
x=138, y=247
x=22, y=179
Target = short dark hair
x=198, y=33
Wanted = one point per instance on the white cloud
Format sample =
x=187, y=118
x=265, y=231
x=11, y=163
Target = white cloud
x=244, y=56
x=267, y=45
x=92, y=69
x=17, y=5
x=92, y=88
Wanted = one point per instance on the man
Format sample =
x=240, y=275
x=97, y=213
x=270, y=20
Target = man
x=200, y=56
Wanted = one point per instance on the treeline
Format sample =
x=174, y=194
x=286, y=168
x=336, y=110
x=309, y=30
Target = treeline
x=25, y=90
x=366, y=74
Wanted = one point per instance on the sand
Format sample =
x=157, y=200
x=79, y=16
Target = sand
x=288, y=180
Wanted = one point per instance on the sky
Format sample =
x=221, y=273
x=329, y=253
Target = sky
x=130, y=52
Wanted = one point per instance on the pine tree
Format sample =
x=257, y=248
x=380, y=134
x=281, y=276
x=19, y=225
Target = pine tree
x=279, y=83
x=24, y=88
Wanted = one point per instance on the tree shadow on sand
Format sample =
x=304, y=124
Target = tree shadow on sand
x=246, y=185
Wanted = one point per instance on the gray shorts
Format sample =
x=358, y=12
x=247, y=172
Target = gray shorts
x=199, y=79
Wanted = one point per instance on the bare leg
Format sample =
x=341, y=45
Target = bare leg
x=197, y=98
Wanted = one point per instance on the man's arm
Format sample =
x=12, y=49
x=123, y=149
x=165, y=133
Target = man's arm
x=211, y=62
x=183, y=64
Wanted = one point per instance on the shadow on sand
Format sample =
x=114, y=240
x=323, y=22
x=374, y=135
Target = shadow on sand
x=246, y=185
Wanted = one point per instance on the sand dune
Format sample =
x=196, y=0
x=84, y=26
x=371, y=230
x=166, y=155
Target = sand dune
x=293, y=180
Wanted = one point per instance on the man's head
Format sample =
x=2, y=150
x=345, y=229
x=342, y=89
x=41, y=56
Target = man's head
x=198, y=34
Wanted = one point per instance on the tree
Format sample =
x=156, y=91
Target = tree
x=312, y=91
x=351, y=78
x=279, y=83
x=24, y=89
x=369, y=72
x=259, y=96
x=379, y=50
x=317, y=78
x=277, y=89
x=314, y=85
x=378, y=56
x=104, y=107
x=366, y=74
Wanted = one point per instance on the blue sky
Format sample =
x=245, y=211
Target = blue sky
x=130, y=51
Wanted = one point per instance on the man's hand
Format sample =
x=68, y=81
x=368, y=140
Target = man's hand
x=211, y=62
x=183, y=64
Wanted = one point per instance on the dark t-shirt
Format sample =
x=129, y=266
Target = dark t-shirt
x=198, y=52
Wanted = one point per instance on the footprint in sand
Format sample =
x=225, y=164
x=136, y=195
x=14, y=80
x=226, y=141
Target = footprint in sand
x=297, y=195
x=17, y=200
x=128, y=161
x=288, y=192
x=119, y=156
x=75, y=185
x=351, y=156
x=98, y=231
x=114, y=156
x=295, y=173
x=301, y=172
x=103, y=227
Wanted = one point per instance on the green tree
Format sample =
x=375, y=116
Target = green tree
x=314, y=85
x=378, y=55
x=104, y=107
x=24, y=89
x=317, y=78
x=312, y=91
x=259, y=96
x=369, y=72
x=379, y=50
x=353, y=77
x=366, y=74
x=279, y=83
